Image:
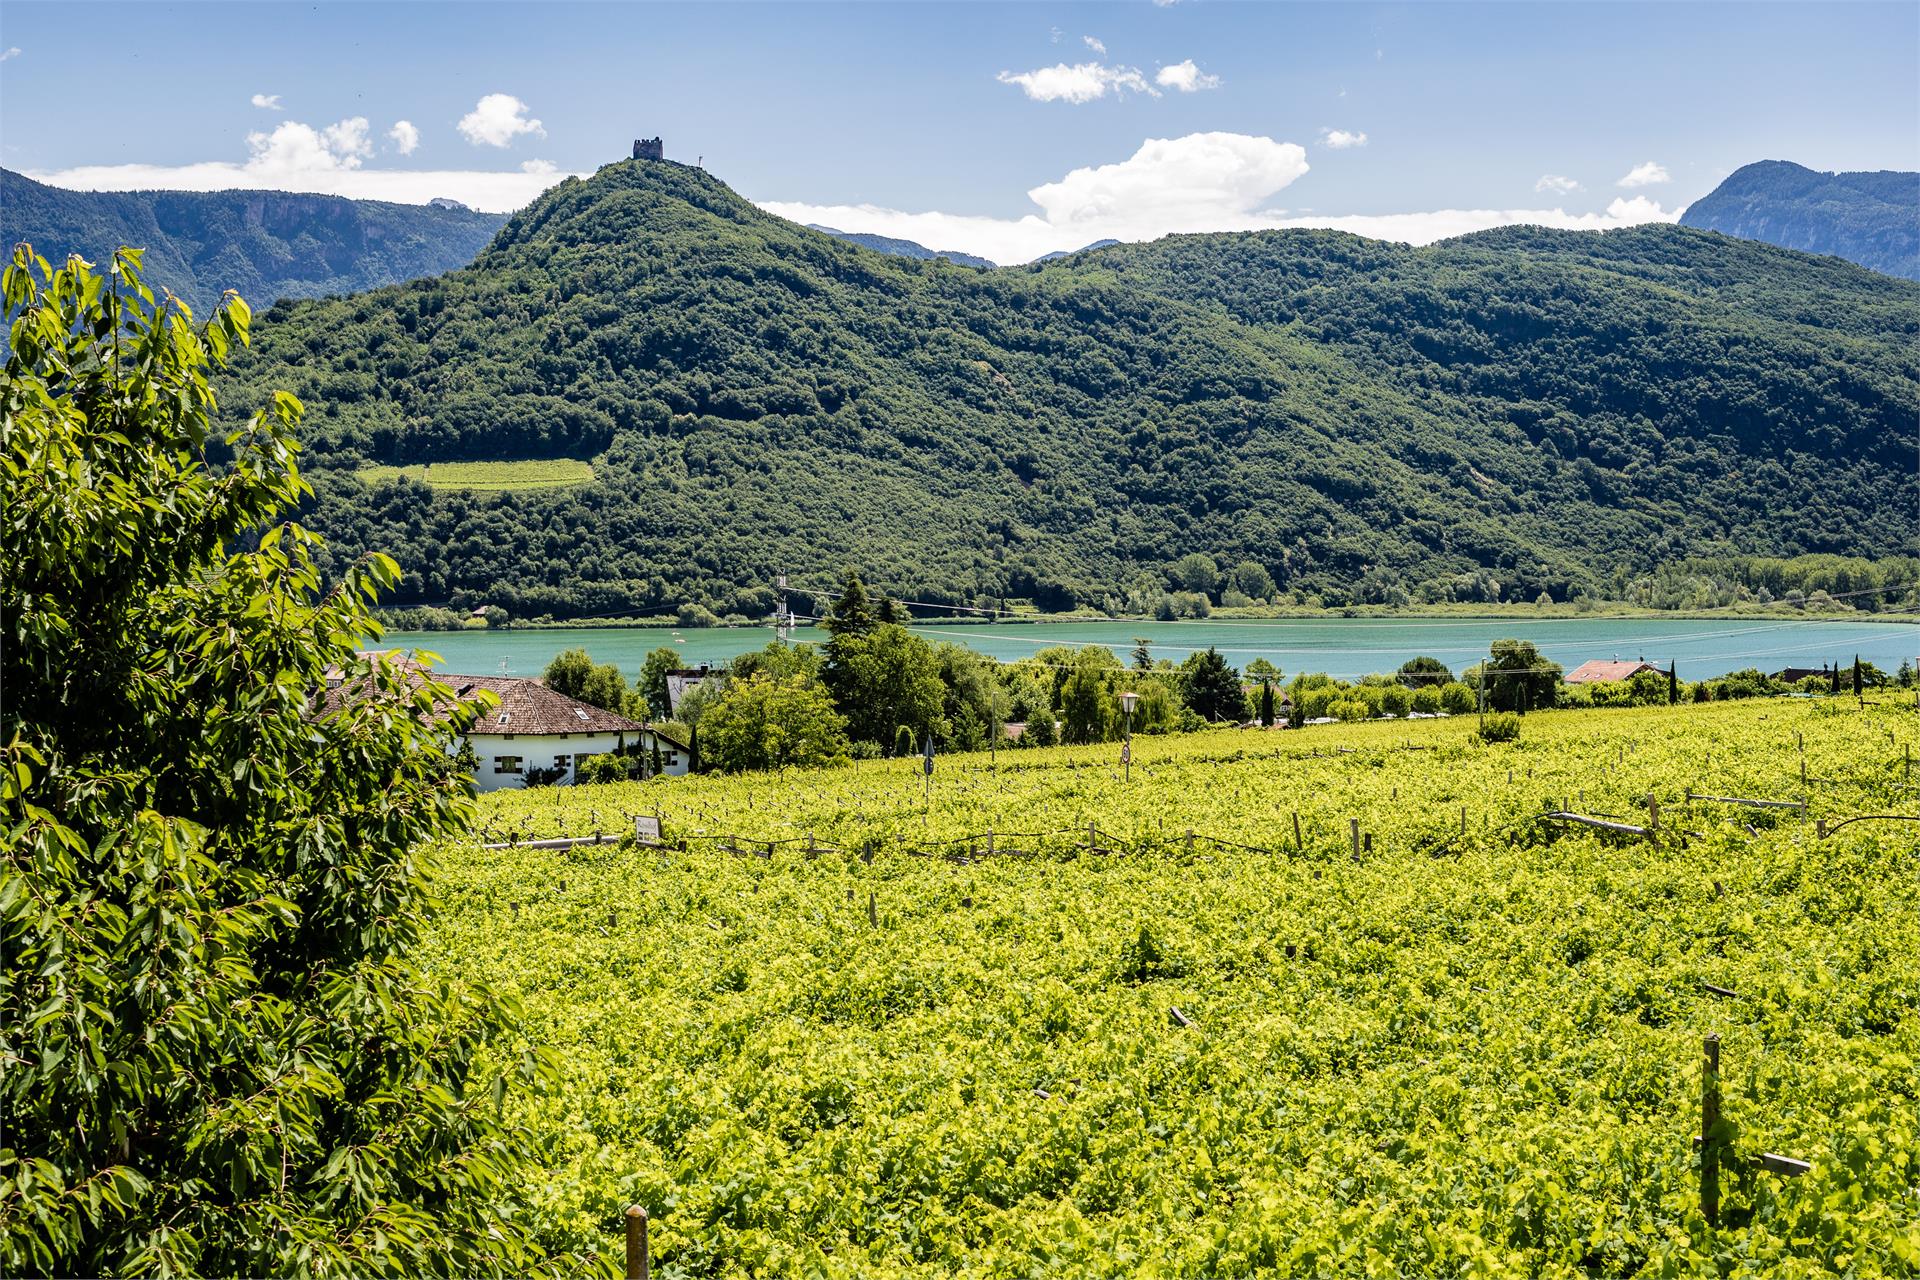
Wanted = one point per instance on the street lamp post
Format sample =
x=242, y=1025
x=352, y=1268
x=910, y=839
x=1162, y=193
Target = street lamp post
x=1128, y=701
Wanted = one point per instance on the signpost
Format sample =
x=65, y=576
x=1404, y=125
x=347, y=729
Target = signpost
x=1128, y=701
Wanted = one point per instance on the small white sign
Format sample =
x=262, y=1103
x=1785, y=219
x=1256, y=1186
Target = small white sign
x=647, y=828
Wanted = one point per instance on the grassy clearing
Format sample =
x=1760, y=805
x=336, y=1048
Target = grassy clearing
x=1454, y=1055
x=487, y=477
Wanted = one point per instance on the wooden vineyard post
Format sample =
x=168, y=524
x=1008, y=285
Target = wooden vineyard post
x=639, y=1264
x=1189, y=842
x=1463, y=822
x=1090, y=837
x=873, y=911
x=1709, y=1120
x=989, y=842
x=1353, y=829
x=1653, y=814
x=1299, y=845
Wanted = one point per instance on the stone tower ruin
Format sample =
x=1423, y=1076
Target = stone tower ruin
x=648, y=149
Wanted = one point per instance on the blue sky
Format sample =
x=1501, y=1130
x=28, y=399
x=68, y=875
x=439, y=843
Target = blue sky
x=1003, y=129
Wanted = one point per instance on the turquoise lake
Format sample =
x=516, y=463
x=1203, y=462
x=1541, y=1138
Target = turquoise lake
x=1345, y=647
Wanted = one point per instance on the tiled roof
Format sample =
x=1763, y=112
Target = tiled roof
x=1604, y=669
x=528, y=706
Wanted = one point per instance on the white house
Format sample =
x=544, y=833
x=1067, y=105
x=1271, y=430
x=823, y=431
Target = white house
x=535, y=728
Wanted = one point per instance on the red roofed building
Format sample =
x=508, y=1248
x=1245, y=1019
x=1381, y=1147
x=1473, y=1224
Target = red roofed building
x=1602, y=670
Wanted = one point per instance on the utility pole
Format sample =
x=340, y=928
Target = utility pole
x=1128, y=701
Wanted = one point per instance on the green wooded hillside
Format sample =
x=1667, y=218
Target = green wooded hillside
x=1511, y=412
x=265, y=244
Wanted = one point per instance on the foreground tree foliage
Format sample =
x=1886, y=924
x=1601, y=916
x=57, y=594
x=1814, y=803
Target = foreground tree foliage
x=215, y=1054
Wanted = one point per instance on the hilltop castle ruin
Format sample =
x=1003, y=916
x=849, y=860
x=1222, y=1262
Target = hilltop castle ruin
x=648, y=149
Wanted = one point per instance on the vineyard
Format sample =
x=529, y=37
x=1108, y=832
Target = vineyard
x=1349, y=1000
x=487, y=477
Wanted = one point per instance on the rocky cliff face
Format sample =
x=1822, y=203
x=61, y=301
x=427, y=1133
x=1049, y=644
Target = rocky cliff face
x=265, y=244
x=1869, y=218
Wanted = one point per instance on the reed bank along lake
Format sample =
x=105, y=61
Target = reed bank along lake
x=1342, y=647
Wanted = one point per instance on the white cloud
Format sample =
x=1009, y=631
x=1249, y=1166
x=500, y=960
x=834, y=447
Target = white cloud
x=1094, y=43
x=1082, y=82
x=267, y=101
x=405, y=135
x=1559, y=184
x=12, y=52
x=1186, y=77
x=330, y=161
x=496, y=120
x=538, y=166
x=1342, y=139
x=295, y=148
x=1202, y=182
x=1645, y=175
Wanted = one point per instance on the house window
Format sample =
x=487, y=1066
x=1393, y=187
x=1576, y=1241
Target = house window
x=506, y=764
x=672, y=760
x=562, y=763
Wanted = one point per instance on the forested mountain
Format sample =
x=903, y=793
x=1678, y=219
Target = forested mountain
x=900, y=248
x=266, y=244
x=1869, y=218
x=1493, y=417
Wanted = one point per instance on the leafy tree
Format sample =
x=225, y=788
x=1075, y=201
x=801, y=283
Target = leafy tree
x=1087, y=708
x=1457, y=699
x=568, y=671
x=573, y=673
x=763, y=722
x=1040, y=730
x=974, y=699
x=1196, y=572
x=1396, y=700
x=1517, y=677
x=652, y=685
x=496, y=617
x=882, y=679
x=852, y=613
x=1423, y=671
x=1250, y=578
x=1212, y=688
x=1426, y=699
x=220, y=1058
x=781, y=660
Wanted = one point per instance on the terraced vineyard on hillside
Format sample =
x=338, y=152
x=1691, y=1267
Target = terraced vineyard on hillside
x=876, y=1050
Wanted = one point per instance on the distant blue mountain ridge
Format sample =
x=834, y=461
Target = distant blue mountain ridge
x=900, y=248
x=1872, y=219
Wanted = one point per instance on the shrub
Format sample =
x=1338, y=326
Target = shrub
x=1456, y=699
x=1501, y=726
x=1426, y=700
